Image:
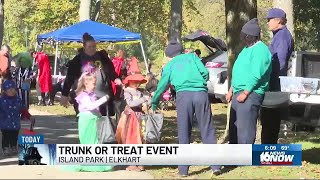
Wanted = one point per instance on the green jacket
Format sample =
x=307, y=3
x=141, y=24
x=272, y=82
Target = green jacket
x=252, y=69
x=184, y=72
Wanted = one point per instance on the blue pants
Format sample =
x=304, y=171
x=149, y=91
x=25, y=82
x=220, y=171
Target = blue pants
x=189, y=103
x=243, y=119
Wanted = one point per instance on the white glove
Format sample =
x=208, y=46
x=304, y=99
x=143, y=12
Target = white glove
x=118, y=82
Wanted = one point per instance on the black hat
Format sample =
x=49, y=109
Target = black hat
x=252, y=28
x=173, y=49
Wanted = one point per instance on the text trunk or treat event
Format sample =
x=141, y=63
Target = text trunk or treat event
x=146, y=89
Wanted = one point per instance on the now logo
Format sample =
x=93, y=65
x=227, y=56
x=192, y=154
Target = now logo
x=276, y=158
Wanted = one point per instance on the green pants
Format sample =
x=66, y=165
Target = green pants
x=87, y=126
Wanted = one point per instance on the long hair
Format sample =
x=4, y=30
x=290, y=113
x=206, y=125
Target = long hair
x=249, y=40
x=85, y=77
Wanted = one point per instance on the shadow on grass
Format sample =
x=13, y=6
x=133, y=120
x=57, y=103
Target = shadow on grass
x=154, y=167
x=311, y=155
x=170, y=129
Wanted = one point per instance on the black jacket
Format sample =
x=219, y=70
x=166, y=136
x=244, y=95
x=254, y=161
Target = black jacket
x=74, y=73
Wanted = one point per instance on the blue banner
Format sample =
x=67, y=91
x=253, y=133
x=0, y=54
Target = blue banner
x=31, y=139
x=277, y=154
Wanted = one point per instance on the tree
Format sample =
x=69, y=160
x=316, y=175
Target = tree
x=96, y=13
x=287, y=6
x=238, y=12
x=85, y=9
x=307, y=25
x=175, y=20
x=1, y=20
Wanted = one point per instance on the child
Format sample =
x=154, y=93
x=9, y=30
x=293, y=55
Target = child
x=152, y=84
x=23, y=76
x=88, y=116
x=11, y=111
x=130, y=127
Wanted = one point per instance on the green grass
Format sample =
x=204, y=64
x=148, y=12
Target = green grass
x=56, y=109
x=310, y=143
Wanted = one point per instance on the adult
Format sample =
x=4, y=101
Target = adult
x=250, y=81
x=152, y=83
x=44, y=78
x=100, y=65
x=198, y=52
x=5, y=62
x=121, y=71
x=189, y=77
x=281, y=48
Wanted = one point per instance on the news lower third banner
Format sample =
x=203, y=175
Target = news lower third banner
x=32, y=151
x=180, y=154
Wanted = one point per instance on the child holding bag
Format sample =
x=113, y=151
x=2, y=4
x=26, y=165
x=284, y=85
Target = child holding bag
x=130, y=127
x=88, y=116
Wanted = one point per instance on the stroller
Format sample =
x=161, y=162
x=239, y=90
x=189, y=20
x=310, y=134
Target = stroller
x=168, y=99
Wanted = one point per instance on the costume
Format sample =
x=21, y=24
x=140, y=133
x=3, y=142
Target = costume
x=130, y=127
x=23, y=76
x=87, y=125
x=11, y=111
x=45, y=78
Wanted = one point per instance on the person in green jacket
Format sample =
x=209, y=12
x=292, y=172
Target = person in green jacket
x=250, y=80
x=187, y=74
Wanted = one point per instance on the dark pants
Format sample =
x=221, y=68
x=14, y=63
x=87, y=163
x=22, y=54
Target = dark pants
x=117, y=109
x=24, y=96
x=55, y=89
x=243, y=119
x=270, y=121
x=9, y=138
x=189, y=103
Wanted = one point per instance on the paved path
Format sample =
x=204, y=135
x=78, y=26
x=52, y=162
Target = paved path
x=57, y=130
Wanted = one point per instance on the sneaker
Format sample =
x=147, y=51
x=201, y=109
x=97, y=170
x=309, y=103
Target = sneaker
x=6, y=151
x=183, y=175
x=141, y=168
x=216, y=172
x=133, y=168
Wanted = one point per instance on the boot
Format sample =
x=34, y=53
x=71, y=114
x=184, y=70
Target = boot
x=42, y=102
x=51, y=100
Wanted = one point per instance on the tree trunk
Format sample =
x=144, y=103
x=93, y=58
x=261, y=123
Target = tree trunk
x=176, y=20
x=1, y=20
x=84, y=10
x=238, y=12
x=286, y=6
x=97, y=7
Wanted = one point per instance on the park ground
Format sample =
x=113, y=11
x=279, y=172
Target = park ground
x=59, y=125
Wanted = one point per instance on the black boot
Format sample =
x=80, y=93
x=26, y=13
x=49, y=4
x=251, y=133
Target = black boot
x=51, y=99
x=43, y=99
